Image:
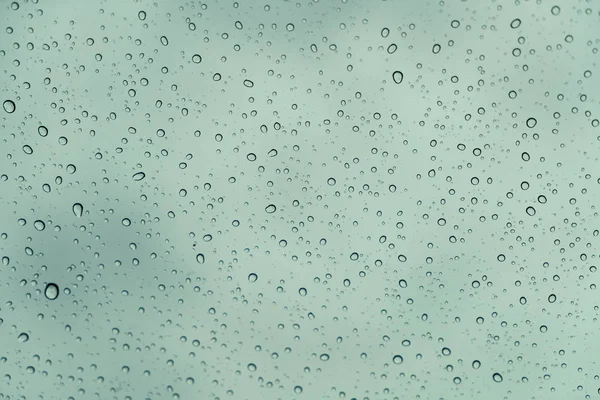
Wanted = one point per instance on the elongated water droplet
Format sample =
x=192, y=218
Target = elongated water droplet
x=78, y=209
x=200, y=258
x=138, y=176
x=270, y=208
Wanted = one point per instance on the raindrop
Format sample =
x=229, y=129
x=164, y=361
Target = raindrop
x=39, y=225
x=138, y=176
x=531, y=122
x=476, y=364
x=397, y=359
x=324, y=357
x=497, y=377
x=552, y=298
x=302, y=292
x=164, y=40
x=23, y=337
x=78, y=209
x=196, y=59
x=331, y=181
x=126, y=221
x=555, y=10
x=270, y=209
x=398, y=77
x=42, y=131
x=9, y=106
x=392, y=48
x=248, y=83
x=290, y=27
x=515, y=23
x=252, y=277
x=51, y=291
x=200, y=258
x=530, y=211
x=436, y=48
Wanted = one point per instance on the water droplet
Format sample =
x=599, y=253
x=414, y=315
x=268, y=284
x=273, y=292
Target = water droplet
x=9, y=106
x=385, y=32
x=164, y=40
x=270, y=209
x=290, y=27
x=331, y=181
x=142, y=15
x=23, y=337
x=138, y=176
x=39, y=225
x=251, y=157
x=248, y=83
x=397, y=359
x=78, y=209
x=200, y=258
x=354, y=256
x=252, y=277
x=196, y=59
x=42, y=131
x=392, y=48
x=51, y=292
x=552, y=298
x=251, y=367
x=555, y=10
x=302, y=292
x=398, y=77
x=531, y=122
x=497, y=377
x=530, y=211
x=126, y=222
x=324, y=357
x=515, y=23
x=436, y=48
x=476, y=364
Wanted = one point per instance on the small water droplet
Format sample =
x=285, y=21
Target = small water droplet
x=397, y=359
x=138, y=176
x=497, y=377
x=200, y=258
x=39, y=225
x=252, y=277
x=270, y=209
x=23, y=337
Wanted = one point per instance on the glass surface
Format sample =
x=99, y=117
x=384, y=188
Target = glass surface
x=299, y=199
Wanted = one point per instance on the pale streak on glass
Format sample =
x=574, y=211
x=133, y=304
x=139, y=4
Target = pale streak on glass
x=406, y=226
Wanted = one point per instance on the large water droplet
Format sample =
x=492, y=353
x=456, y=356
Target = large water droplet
x=23, y=337
x=270, y=208
x=138, y=176
x=51, y=291
x=398, y=77
x=78, y=209
x=200, y=258
x=9, y=106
